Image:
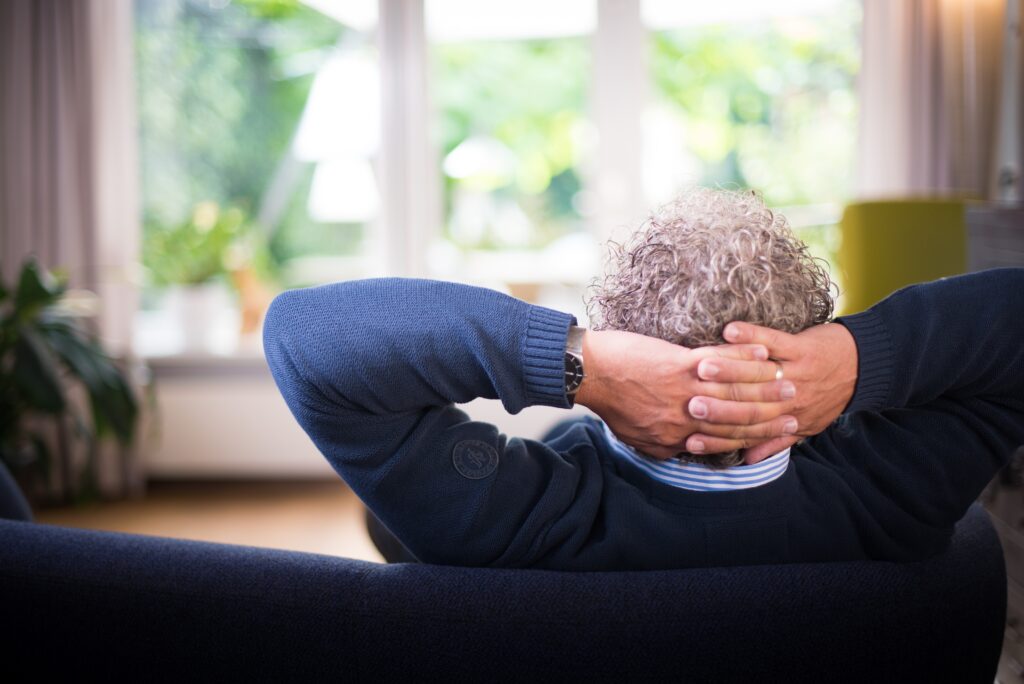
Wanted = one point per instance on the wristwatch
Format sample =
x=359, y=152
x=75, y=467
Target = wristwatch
x=574, y=362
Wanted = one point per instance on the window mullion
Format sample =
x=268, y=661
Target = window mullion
x=618, y=97
x=407, y=167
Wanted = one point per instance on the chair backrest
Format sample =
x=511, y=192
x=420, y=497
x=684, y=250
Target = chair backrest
x=129, y=606
x=887, y=245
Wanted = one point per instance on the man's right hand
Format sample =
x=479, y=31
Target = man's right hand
x=642, y=388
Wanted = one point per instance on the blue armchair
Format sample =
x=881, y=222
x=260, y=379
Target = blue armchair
x=132, y=607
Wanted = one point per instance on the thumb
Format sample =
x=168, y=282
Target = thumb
x=743, y=352
x=781, y=345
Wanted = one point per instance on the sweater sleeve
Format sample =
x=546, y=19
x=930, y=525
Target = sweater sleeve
x=955, y=337
x=938, y=409
x=371, y=370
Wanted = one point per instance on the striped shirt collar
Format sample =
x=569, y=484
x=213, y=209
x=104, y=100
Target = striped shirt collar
x=700, y=478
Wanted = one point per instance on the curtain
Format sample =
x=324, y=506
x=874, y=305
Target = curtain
x=929, y=90
x=68, y=188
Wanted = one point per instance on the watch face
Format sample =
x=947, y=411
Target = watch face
x=573, y=373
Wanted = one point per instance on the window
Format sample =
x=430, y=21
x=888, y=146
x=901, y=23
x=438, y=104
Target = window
x=258, y=139
x=292, y=129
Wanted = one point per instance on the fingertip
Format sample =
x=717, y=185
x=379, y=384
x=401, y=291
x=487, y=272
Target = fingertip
x=761, y=353
x=788, y=390
x=732, y=332
x=698, y=407
x=707, y=369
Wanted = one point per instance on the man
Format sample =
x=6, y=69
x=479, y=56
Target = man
x=931, y=381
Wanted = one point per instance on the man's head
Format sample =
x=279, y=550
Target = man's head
x=703, y=260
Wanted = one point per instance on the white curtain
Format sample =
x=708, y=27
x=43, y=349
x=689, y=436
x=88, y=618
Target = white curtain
x=68, y=171
x=929, y=90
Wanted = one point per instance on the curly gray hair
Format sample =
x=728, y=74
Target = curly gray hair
x=707, y=258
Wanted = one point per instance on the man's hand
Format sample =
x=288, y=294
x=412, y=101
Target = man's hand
x=643, y=388
x=821, y=360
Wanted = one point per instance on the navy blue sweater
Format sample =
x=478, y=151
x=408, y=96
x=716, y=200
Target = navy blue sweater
x=372, y=369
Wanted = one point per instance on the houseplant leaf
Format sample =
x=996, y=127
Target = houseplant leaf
x=36, y=290
x=112, y=401
x=35, y=373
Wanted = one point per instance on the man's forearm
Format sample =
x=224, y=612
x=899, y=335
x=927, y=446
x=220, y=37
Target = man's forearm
x=365, y=350
x=391, y=345
x=957, y=336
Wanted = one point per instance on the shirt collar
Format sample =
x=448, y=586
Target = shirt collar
x=701, y=478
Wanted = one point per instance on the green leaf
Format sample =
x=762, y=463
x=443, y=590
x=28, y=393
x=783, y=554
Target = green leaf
x=112, y=401
x=36, y=290
x=271, y=9
x=42, y=456
x=35, y=373
x=116, y=410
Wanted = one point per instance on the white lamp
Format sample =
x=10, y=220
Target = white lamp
x=342, y=114
x=343, y=191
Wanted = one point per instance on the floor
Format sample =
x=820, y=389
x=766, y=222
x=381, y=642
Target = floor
x=315, y=516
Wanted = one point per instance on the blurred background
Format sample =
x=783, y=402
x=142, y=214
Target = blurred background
x=475, y=144
x=170, y=165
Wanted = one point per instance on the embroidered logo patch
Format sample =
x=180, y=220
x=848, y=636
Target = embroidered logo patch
x=474, y=460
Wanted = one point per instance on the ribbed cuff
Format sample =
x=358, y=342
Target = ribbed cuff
x=544, y=356
x=874, y=361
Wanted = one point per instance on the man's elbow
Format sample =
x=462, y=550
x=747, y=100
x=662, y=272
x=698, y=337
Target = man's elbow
x=282, y=327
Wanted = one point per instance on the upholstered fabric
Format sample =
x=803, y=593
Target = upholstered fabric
x=148, y=608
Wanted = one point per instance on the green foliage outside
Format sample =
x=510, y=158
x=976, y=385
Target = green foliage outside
x=764, y=105
x=220, y=94
x=197, y=250
x=768, y=105
x=531, y=96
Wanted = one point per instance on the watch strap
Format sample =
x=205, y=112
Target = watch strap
x=574, y=369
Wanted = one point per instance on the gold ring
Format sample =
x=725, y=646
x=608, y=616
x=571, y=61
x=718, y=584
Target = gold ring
x=778, y=370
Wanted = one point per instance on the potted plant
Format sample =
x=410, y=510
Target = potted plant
x=189, y=260
x=45, y=354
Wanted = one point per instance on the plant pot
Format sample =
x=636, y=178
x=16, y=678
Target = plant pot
x=205, y=316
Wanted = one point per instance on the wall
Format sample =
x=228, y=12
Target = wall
x=224, y=418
